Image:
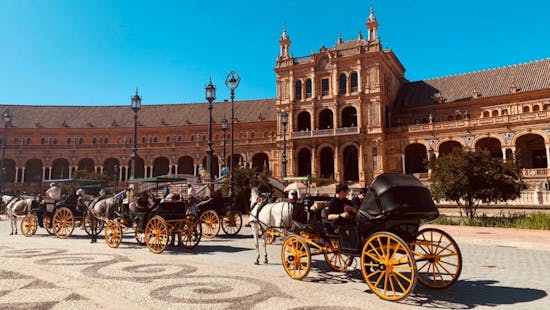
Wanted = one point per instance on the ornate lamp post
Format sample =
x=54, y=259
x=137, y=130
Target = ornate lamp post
x=7, y=119
x=115, y=175
x=210, y=96
x=136, y=105
x=232, y=82
x=284, y=121
x=224, y=129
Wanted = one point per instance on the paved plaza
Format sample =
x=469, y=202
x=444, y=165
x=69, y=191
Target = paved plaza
x=503, y=269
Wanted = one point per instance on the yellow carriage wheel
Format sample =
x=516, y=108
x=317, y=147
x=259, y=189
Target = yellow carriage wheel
x=191, y=232
x=210, y=224
x=232, y=222
x=47, y=221
x=388, y=266
x=269, y=236
x=63, y=223
x=335, y=259
x=438, y=258
x=29, y=224
x=86, y=224
x=140, y=237
x=113, y=234
x=156, y=234
x=296, y=257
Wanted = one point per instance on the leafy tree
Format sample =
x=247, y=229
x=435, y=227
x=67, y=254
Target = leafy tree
x=469, y=178
x=243, y=180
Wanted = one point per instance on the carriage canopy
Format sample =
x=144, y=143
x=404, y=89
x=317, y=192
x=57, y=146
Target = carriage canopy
x=402, y=195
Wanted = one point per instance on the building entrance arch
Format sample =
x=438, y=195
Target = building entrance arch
x=327, y=163
x=530, y=151
x=416, y=158
x=351, y=163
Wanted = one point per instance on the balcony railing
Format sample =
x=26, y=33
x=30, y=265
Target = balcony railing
x=325, y=132
x=478, y=122
x=534, y=172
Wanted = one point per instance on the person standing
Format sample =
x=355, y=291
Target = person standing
x=165, y=192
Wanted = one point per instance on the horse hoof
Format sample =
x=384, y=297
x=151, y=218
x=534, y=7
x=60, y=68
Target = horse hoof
x=265, y=261
x=256, y=263
x=11, y=234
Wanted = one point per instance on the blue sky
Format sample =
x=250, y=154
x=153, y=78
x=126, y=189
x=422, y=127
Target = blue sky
x=96, y=52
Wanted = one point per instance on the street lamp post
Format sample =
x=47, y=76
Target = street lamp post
x=210, y=96
x=284, y=121
x=232, y=82
x=224, y=129
x=115, y=175
x=136, y=105
x=7, y=120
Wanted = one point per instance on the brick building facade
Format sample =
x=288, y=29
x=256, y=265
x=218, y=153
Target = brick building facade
x=352, y=115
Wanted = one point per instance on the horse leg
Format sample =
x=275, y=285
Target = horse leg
x=255, y=233
x=11, y=224
x=265, y=249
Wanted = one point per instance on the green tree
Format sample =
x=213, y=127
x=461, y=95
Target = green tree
x=469, y=178
x=243, y=180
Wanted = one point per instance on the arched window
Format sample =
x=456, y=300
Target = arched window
x=486, y=114
x=341, y=84
x=298, y=90
x=94, y=140
x=69, y=140
x=536, y=108
x=354, y=81
x=504, y=112
x=526, y=109
x=495, y=113
x=308, y=88
x=450, y=118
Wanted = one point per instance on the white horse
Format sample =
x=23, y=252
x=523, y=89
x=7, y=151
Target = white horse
x=101, y=207
x=271, y=216
x=16, y=207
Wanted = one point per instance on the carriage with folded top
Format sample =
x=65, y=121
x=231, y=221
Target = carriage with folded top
x=393, y=250
x=59, y=217
x=153, y=220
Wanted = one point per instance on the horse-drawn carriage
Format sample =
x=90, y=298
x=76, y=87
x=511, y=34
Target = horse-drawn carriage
x=216, y=212
x=394, y=253
x=58, y=217
x=154, y=221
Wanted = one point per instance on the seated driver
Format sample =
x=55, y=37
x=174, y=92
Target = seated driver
x=54, y=192
x=341, y=209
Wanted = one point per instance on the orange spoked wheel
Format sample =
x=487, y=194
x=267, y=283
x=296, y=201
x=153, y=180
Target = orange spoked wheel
x=191, y=232
x=113, y=234
x=438, y=258
x=210, y=223
x=63, y=223
x=29, y=225
x=296, y=257
x=232, y=222
x=270, y=236
x=47, y=221
x=388, y=266
x=156, y=234
x=335, y=259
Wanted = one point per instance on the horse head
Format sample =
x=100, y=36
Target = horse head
x=254, y=195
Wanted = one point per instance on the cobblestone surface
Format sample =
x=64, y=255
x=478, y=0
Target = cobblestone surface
x=502, y=270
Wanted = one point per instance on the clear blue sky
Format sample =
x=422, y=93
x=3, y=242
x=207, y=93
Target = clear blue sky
x=96, y=52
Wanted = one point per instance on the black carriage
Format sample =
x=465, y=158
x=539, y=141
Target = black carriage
x=394, y=252
x=218, y=212
x=59, y=217
x=154, y=225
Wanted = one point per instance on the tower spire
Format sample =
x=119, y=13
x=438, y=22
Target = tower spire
x=372, y=26
x=284, y=44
